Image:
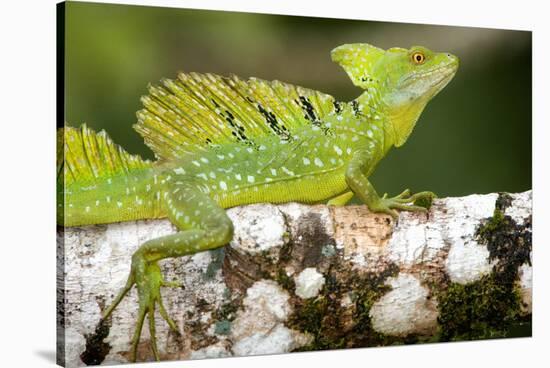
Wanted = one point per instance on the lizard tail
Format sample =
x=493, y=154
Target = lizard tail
x=86, y=156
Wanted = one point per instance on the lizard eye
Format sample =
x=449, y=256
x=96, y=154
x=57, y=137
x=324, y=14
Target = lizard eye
x=418, y=58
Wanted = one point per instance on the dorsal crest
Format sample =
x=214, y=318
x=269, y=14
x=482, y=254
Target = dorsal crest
x=85, y=156
x=196, y=111
x=358, y=60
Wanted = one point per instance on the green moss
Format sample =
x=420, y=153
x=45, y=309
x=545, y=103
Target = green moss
x=492, y=224
x=285, y=281
x=322, y=316
x=507, y=242
x=483, y=309
x=227, y=311
x=425, y=202
x=490, y=307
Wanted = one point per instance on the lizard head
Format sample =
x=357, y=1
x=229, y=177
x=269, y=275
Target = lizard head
x=403, y=80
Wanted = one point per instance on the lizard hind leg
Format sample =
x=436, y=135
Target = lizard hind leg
x=204, y=226
x=341, y=199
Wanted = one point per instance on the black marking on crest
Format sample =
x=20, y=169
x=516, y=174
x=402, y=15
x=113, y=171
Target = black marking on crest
x=236, y=130
x=355, y=106
x=337, y=107
x=278, y=128
x=309, y=111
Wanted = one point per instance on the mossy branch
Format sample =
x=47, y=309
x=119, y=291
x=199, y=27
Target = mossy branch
x=300, y=277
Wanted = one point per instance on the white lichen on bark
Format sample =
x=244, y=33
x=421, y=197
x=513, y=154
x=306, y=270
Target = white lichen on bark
x=308, y=283
x=406, y=309
x=281, y=256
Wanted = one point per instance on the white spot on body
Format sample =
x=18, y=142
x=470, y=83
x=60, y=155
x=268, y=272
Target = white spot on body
x=287, y=171
x=179, y=171
x=318, y=162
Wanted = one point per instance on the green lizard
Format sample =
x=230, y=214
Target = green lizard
x=223, y=141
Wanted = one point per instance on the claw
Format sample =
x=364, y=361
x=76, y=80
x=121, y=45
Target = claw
x=404, y=202
x=148, y=280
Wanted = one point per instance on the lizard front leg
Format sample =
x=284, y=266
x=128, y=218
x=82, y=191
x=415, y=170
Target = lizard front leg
x=360, y=167
x=204, y=226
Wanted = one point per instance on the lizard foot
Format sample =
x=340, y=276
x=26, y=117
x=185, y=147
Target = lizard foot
x=148, y=280
x=419, y=202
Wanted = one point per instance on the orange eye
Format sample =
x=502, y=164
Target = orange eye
x=418, y=58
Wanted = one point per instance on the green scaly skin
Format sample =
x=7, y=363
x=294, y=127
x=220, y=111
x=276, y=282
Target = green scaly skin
x=329, y=155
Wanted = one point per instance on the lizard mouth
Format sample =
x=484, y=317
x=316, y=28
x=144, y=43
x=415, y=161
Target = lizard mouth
x=446, y=71
x=430, y=82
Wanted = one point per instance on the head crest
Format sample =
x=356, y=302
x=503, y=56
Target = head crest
x=358, y=60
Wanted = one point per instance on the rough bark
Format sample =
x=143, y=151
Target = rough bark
x=300, y=277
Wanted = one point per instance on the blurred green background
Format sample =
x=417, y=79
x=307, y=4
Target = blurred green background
x=475, y=137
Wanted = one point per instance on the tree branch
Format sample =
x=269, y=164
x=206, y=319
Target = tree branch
x=300, y=277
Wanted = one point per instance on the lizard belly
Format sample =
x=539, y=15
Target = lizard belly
x=304, y=189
